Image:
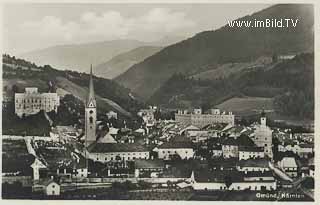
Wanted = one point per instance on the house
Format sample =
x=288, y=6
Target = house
x=289, y=165
x=37, y=165
x=104, y=152
x=148, y=168
x=223, y=164
x=230, y=148
x=52, y=188
x=246, y=152
x=305, y=150
x=250, y=165
x=229, y=180
x=112, y=114
x=178, y=145
x=259, y=176
x=216, y=151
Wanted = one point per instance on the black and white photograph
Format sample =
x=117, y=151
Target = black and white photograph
x=182, y=101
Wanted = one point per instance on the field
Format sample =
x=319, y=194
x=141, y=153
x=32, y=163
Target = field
x=227, y=69
x=245, y=105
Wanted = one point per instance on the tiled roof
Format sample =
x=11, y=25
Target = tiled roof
x=205, y=175
x=116, y=147
x=151, y=164
x=254, y=163
x=176, y=143
x=306, y=145
x=258, y=174
x=230, y=141
x=250, y=149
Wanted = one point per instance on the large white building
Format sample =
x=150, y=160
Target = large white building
x=199, y=119
x=31, y=102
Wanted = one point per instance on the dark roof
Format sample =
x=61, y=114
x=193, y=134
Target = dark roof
x=176, y=143
x=152, y=164
x=258, y=174
x=19, y=164
x=116, y=147
x=251, y=149
x=49, y=181
x=230, y=141
x=306, y=145
x=244, y=140
x=205, y=175
x=254, y=163
x=221, y=162
x=216, y=147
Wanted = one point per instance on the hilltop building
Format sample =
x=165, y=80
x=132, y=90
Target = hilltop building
x=32, y=102
x=200, y=119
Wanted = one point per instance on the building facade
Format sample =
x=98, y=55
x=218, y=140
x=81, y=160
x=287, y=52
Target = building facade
x=32, y=102
x=199, y=119
x=251, y=153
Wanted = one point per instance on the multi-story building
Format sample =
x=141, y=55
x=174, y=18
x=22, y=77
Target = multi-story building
x=263, y=137
x=199, y=119
x=148, y=116
x=104, y=152
x=250, y=153
x=31, y=102
x=289, y=165
x=179, y=146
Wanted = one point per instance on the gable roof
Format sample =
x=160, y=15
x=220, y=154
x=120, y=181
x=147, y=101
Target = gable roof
x=116, y=147
x=289, y=162
x=178, y=142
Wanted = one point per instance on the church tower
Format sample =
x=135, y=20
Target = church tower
x=90, y=114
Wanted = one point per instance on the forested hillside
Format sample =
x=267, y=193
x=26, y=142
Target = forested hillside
x=290, y=83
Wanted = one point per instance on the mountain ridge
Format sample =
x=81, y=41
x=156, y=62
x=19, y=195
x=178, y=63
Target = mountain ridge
x=210, y=48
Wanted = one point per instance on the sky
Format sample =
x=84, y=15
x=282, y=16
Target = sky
x=31, y=26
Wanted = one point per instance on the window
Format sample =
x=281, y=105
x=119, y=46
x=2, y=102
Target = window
x=91, y=119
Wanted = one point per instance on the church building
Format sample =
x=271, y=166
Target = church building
x=106, y=148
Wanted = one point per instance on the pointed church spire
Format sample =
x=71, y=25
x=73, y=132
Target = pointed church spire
x=91, y=102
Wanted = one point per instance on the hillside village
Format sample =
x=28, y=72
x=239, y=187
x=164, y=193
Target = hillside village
x=195, y=154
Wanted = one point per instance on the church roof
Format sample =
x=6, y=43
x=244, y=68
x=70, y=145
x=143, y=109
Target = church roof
x=91, y=101
x=107, y=138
